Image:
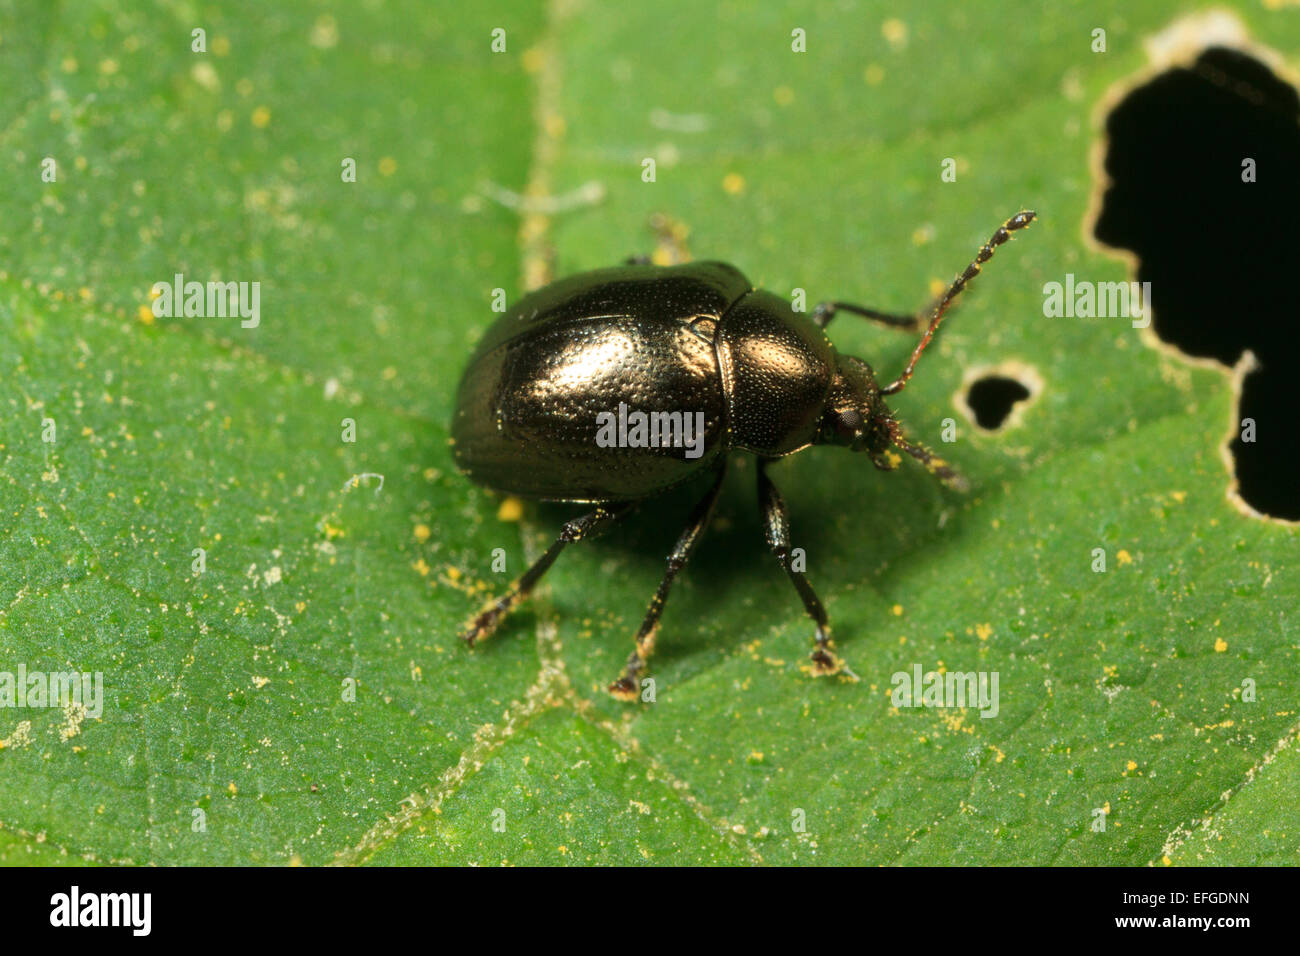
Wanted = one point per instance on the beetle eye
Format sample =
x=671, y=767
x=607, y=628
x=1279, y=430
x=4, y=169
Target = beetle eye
x=849, y=423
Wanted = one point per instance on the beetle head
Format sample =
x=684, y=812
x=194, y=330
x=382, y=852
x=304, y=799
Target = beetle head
x=857, y=417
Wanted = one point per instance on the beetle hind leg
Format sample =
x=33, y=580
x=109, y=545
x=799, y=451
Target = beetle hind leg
x=776, y=527
x=588, y=525
x=628, y=685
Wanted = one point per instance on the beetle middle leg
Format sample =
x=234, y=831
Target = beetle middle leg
x=627, y=686
x=823, y=312
x=776, y=526
x=588, y=525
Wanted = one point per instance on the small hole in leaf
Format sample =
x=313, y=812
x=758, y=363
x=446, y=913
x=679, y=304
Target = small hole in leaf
x=1203, y=164
x=992, y=398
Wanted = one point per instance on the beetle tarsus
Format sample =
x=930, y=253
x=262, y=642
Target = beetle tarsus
x=487, y=621
x=624, y=689
x=825, y=662
x=627, y=687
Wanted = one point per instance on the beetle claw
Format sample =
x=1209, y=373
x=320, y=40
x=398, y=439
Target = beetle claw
x=624, y=689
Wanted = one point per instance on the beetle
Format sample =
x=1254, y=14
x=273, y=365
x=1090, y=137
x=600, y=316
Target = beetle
x=541, y=389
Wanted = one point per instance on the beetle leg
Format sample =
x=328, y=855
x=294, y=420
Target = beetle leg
x=628, y=686
x=588, y=525
x=823, y=312
x=776, y=526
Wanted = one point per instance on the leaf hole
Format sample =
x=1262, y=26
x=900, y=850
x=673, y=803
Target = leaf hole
x=994, y=397
x=1203, y=163
x=991, y=400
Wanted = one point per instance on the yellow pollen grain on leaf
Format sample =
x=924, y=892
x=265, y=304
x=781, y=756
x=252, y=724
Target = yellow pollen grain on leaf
x=533, y=59
x=453, y=573
x=108, y=66
x=232, y=788
x=422, y=532
x=783, y=95
x=894, y=459
x=261, y=117
x=221, y=45
x=984, y=631
x=512, y=509
x=1178, y=496
x=1166, y=861
x=938, y=287
x=145, y=315
x=324, y=32
x=897, y=610
x=1130, y=766
x=387, y=166
x=733, y=184
x=300, y=606
x=332, y=532
x=1124, y=557
x=421, y=567
x=874, y=74
x=260, y=682
x=205, y=75
x=894, y=31
x=1220, y=645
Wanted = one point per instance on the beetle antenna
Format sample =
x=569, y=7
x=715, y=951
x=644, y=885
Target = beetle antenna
x=1018, y=221
x=933, y=463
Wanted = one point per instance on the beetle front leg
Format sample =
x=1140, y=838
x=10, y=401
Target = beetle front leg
x=588, y=525
x=776, y=526
x=627, y=686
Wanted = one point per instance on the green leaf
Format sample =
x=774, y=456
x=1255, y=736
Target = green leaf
x=228, y=734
